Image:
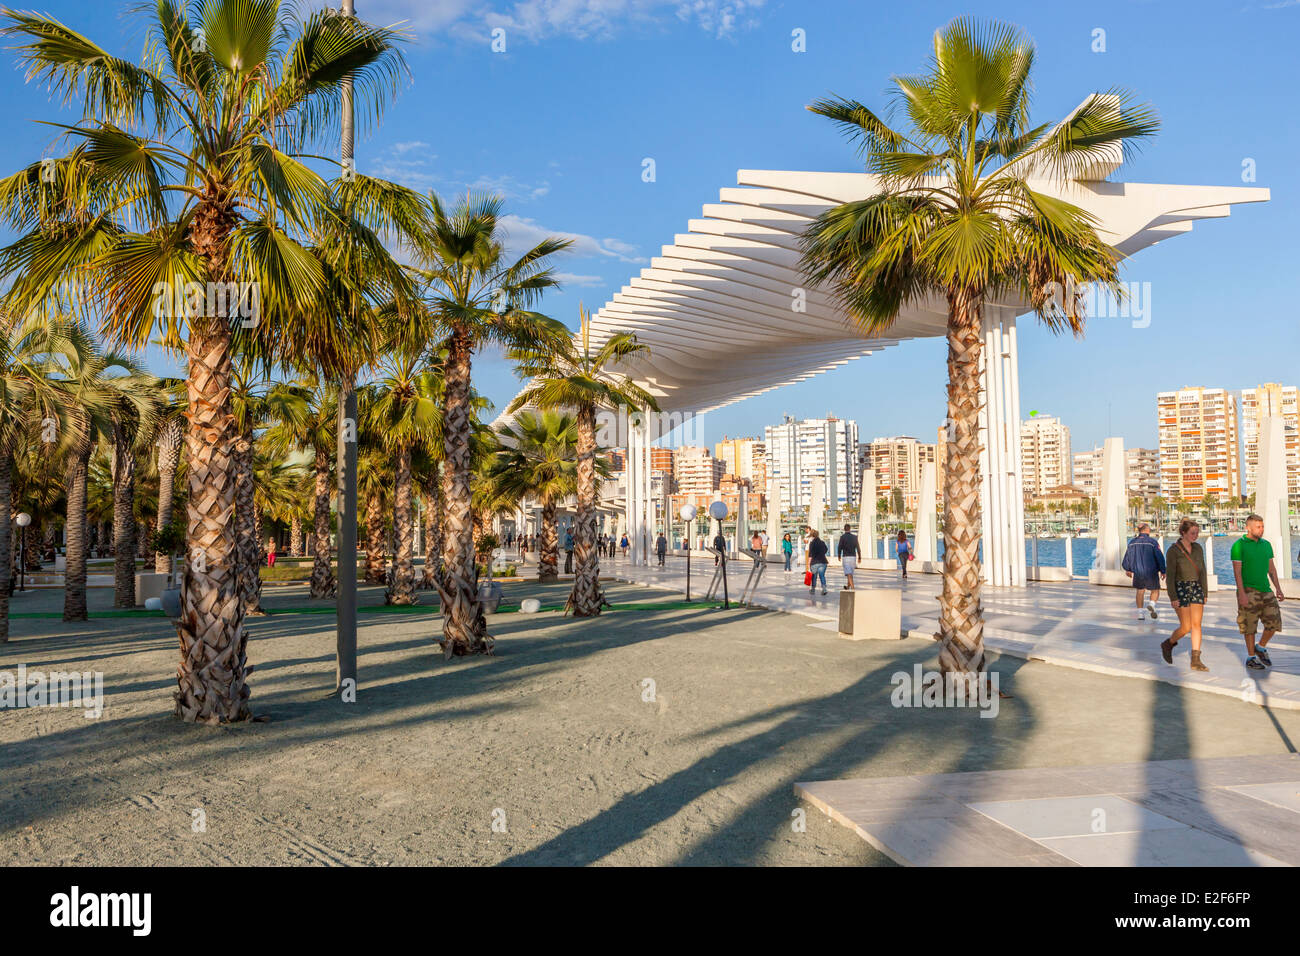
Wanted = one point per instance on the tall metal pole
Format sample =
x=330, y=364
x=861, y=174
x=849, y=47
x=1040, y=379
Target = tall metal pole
x=346, y=652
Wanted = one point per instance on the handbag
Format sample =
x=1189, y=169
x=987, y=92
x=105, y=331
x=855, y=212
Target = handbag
x=911, y=555
x=807, y=579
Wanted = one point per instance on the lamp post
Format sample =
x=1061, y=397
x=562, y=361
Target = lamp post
x=688, y=513
x=23, y=519
x=719, y=511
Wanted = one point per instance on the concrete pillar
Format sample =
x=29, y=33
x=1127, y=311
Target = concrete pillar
x=817, y=503
x=867, y=532
x=773, y=518
x=927, y=539
x=1112, y=513
x=1001, y=485
x=1271, y=492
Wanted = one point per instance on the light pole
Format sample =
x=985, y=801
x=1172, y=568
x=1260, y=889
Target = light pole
x=688, y=513
x=346, y=452
x=23, y=519
x=719, y=511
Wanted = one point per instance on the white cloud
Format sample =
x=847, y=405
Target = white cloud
x=574, y=279
x=535, y=20
x=522, y=234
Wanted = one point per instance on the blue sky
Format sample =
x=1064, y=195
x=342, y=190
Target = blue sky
x=560, y=122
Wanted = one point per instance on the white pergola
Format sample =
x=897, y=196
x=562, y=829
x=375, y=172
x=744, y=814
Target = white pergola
x=726, y=315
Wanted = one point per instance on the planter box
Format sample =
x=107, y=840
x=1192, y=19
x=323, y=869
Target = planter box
x=872, y=614
x=149, y=585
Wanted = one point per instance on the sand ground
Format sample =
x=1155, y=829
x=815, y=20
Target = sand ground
x=555, y=751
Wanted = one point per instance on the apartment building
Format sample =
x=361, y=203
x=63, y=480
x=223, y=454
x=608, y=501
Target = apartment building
x=1198, y=444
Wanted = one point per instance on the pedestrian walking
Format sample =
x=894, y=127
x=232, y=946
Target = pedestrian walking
x=1144, y=563
x=568, y=550
x=904, y=548
x=849, y=552
x=270, y=552
x=623, y=544
x=1187, y=583
x=787, y=549
x=661, y=548
x=756, y=542
x=815, y=561
x=1257, y=603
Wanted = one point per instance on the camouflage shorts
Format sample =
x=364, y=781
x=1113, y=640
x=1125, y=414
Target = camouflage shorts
x=1261, y=608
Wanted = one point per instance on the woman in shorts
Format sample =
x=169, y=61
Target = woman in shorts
x=1186, y=583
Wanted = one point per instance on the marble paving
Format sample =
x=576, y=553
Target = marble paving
x=1223, y=811
x=1068, y=623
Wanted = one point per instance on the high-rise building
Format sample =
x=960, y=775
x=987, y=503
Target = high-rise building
x=696, y=473
x=1198, y=444
x=1142, y=471
x=737, y=456
x=799, y=450
x=1045, y=461
x=897, y=463
x=1264, y=401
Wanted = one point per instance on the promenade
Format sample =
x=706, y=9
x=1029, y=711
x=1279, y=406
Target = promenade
x=1072, y=624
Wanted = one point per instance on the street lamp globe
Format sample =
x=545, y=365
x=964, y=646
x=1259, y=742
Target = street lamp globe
x=689, y=512
x=718, y=509
x=23, y=519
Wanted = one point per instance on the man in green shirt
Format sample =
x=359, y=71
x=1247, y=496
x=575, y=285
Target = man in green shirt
x=1253, y=567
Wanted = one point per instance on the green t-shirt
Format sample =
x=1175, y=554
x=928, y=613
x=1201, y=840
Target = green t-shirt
x=1254, y=557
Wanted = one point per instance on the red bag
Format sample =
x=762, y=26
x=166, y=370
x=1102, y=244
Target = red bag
x=911, y=556
x=807, y=579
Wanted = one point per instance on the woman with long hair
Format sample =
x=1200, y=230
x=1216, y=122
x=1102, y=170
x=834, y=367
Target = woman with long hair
x=904, y=548
x=1186, y=582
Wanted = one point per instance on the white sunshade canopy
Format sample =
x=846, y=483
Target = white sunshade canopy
x=715, y=307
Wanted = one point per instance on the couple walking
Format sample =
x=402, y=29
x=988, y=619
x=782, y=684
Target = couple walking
x=847, y=550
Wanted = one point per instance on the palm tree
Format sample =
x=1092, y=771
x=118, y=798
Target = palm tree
x=576, y=377
x=256, y=403
x=313, y=427
x=957, y=215
x=171, y=425
x=33, y=413
x=404, y=413
x=475, y=295
x=230, y=95
x=540, y=461
x=134, y=418
x=99, y=390
x=374, y=475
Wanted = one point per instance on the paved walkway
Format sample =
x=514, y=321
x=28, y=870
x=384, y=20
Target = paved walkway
x=1225, y=811
x=1073, y=624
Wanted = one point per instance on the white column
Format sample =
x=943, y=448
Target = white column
x=867, y=513
x=633, y=488
x=648, y=499
x=816, y=503
x=1001, y=484
x=927, y=541
x=773, y=517
x=1112, y=514
x=1271, y=492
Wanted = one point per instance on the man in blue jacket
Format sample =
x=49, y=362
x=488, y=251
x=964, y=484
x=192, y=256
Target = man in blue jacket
x=1145, y=564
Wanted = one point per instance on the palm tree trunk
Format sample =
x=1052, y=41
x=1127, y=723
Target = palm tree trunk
x=374, y=539
x=961, y=616
x=323, y=584
x=168, y=455
x=586, y=599
x=6, y=540
x=295, y=535
x=124, y=543
x=549, y=553
x=464, y=629
x=403, y=589
x=74, y=578
x=432, y=529
x=249, y=550
x=212, y=680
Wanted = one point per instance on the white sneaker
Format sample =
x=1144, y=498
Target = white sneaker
x=1142, y=615
x=1152, y=608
